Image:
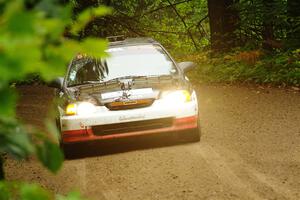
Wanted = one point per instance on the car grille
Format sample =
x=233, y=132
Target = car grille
x=126, y=127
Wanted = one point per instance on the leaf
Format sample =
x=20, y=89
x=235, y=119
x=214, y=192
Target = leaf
x=59, y=56
x=52, y=9
x=70, y=196
x=54, y=67
x=12, y=16
x=94, y=47
x=27, y=191
x=7, y=102
x=14, y=140
x=52, y=128
x=33, y=192
x=5, y=193
x=86, y=16
x=50, y=155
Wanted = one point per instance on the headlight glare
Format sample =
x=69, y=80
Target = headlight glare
x=177, y=96
x=80, y=108
x=85, y=108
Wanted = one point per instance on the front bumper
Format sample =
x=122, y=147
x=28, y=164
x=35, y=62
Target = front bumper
x=180, y=124
x=81, y=128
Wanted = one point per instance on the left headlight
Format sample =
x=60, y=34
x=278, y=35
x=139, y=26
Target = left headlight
x=177, y=96
x=80, y=108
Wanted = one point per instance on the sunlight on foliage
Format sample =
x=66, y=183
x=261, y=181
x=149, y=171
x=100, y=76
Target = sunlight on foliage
x=32, y=41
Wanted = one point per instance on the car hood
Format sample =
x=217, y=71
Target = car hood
x=140, y=89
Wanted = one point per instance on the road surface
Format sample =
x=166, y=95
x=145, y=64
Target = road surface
x=250, y=149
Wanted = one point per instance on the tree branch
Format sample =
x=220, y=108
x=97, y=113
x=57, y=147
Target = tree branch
x=127, y=26
x=163, y=7
x=167, y=32
x=128, y=17
x=199, y=25
x=201, y=20
x=186, y=28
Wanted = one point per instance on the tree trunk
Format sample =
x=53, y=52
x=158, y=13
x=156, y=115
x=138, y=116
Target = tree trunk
x=1, y=168
x=268, y=29
x=293, y=32
x=223, y=21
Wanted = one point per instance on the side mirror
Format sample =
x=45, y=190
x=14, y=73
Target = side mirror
x=186, y=66
x=57, y=83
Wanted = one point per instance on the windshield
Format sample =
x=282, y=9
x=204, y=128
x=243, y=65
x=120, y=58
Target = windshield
x=141, y=60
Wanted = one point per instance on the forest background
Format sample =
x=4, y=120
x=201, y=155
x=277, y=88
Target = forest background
x=254, y=41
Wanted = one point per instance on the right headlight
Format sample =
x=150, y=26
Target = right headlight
x=177, y=96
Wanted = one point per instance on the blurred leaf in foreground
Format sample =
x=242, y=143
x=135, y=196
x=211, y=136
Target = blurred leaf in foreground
x=28, y=191
x=50, y=155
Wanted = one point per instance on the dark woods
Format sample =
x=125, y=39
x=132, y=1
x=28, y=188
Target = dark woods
x=189, y=25
x=221, y=24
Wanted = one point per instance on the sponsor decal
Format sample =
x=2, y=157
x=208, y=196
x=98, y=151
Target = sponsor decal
x=133, y=117
x=129, y=102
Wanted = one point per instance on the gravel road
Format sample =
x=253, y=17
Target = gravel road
x=250, y=149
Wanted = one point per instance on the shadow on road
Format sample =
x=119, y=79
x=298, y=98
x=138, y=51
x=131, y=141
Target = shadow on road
x=121, y=145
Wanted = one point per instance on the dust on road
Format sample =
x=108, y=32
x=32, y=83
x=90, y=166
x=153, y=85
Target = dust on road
x=250, y=149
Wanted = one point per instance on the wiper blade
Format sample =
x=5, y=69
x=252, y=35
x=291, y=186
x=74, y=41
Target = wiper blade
x=123, y=77
x=85, y=83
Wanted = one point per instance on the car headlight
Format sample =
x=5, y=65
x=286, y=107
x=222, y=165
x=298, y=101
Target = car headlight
x=71, y=109
x=80, y=108
x=178, y=96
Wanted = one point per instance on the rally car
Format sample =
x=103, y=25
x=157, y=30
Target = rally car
x=139, y=89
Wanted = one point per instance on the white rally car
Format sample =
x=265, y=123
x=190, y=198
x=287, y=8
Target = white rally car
x=139, y=89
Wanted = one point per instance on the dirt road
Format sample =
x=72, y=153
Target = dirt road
x=250, y=149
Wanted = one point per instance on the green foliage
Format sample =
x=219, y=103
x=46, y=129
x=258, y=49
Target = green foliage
x=152, y=18
x=33, y=192
x=7, y=104
x=15, y=140
x=26, y=191
x=86, y=16
x=22, y=42
x=49, y=51
x=247, y=66
x=257, y=23
x=70, y=196
x=32, y=42
x=276, y=18
x=50, y=155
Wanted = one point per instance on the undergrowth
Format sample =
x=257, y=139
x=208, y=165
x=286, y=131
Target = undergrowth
x=246, y=66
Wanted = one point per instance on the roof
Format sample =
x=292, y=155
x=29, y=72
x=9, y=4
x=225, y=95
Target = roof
x=132, y=41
